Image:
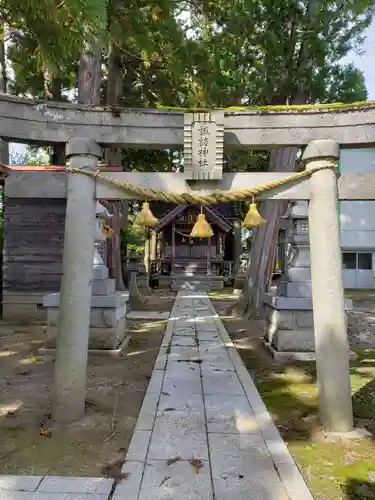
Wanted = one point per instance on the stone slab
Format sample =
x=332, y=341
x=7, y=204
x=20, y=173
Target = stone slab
x=23, y=495
x=241, y=464
x=229, y=414
x=100, y=317
x=183, y=340
x=87, y=485
x=116, y=299
x=296, y=355
x=293, y=303
x=147, y=414
x=167, y=443
x=181, y=402
x=100, y=273
x=24, y=313
x=99, y=338
x=148, y=315
x=21, y=483
x=221, y=382
x=128, y=489
x=177, y=481
x=139, y=445
x=183, y=353
x=103, y=287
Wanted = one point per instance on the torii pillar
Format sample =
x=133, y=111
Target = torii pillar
x=330, y=329
x=76, y=286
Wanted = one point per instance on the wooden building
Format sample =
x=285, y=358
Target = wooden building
x=177, y=253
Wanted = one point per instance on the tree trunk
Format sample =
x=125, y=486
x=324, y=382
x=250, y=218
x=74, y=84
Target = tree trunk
x=114, y=157
x=4, y=146
x=264, y=239
x=89, y=77
x=263, y=248
x=52, y=92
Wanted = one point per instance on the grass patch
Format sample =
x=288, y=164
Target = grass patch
x=334, y=470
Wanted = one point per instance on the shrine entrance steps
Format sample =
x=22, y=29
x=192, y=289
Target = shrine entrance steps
x=203, y=432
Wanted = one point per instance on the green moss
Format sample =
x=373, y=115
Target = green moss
x=336, y=106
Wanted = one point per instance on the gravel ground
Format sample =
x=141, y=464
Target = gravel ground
x=361, y=323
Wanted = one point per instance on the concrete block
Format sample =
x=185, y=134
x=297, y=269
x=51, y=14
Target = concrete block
x=24, y=313
x=86, y=485
x=23, y=298
x=242, y=464
x=287, y=289
x=175, y=481
x=99, y=338
x=139, y=445
x=215, y=382
x=19, y=483
x=100, y=273
x=169, y=442
x=299, y=257
x=229, y=415
x=116, y=299
x=99, y=317
x=304, y=319
x=148, y=315
x=298, y=274
x=103, y=287
x=130, y=487
x=294, y=340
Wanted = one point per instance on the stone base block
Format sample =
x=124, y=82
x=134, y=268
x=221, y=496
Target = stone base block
x=100, y=317
x=103, y=287
x=121, y=349
x=24, y=308
x=100, y=338
x=289, y=325
x=296, y=355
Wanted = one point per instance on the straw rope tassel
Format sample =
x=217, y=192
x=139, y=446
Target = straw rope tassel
x=253, y=217
x=202, y=228
x=146, y=218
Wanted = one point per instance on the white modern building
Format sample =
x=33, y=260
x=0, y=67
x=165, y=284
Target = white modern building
x=357, y=220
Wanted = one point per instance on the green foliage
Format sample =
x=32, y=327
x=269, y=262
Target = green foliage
x=189, y=54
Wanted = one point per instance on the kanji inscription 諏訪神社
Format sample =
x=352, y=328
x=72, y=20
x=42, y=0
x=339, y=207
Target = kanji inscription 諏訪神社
x=203, y=145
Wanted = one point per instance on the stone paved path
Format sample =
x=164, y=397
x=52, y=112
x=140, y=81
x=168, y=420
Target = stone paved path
x=201, y=405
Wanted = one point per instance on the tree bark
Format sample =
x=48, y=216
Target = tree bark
x=264, y=239
x=89, y=77
x=113, y=156
x=52, y=92
x=4, y=146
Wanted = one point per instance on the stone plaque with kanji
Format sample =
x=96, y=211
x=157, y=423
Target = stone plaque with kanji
x=203, y=145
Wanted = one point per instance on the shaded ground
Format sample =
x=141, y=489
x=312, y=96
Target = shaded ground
x=334, y=470
x=115, y=392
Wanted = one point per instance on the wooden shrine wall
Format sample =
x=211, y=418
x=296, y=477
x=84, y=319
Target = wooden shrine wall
x=33, y=244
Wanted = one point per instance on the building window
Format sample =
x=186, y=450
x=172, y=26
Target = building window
x=365, y=261
x=349, y=260
x=354, y=261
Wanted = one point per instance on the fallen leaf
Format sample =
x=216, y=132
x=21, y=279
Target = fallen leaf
x=45, y=432
x=197, y=464
x=164, y=481
x=171, y=461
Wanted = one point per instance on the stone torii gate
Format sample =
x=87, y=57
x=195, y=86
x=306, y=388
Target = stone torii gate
x=203, y=136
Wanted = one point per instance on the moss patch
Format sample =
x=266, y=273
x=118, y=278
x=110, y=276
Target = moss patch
x=334, y=470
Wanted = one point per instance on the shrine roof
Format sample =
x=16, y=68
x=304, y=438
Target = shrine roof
x=167, y=219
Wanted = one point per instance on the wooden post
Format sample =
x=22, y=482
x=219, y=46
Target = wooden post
x=153, y=246
x=173, y=247
x=330, y=330
x=75, y=298
x=236, y=246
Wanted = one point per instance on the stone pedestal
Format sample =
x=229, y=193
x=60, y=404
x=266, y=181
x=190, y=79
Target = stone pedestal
x=289, y=325
x=107, y=315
